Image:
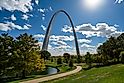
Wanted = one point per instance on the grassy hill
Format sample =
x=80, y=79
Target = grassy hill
x=108, y=74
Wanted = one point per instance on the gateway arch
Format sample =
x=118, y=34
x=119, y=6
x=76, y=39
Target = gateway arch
x=47, y=35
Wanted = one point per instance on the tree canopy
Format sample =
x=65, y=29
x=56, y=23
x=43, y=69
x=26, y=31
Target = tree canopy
x=20, y=55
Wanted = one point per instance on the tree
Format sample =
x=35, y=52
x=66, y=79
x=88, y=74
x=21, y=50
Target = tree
x=88, y=59
x=71, y=63
x=110, y=49
x=120, y=42
x=122, y=57
x=79, y=59
x=45, y=55
x=59, y=60
x=27, y=56
x=6, y=52
x=67, y=57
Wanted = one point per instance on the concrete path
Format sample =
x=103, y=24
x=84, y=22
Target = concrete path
x=54, y=76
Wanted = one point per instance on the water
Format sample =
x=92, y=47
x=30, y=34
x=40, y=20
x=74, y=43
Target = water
x=51, y=70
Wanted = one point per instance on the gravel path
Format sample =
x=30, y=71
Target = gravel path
x=54, y=76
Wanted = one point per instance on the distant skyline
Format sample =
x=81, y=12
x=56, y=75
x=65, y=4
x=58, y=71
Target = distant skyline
x=94, y=21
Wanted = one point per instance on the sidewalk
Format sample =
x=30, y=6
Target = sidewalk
x=53, y=76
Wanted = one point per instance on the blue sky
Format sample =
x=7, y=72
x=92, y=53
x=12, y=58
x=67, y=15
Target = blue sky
x=94, y=21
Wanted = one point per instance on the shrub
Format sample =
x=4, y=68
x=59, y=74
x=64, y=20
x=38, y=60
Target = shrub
x=122, y=56
x=59, y=60
x=71, y=63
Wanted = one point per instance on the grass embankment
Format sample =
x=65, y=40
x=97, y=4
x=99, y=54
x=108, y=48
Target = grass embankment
x=107, y=74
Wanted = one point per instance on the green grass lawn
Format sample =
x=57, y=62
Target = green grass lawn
x=108, y=74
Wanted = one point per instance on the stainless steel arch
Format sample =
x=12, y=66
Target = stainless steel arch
x=47, y=35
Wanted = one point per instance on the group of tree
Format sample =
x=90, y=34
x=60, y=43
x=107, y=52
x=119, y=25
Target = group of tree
x=19, y=56
x=112, y=48
x=110, y=52
x=66, y=58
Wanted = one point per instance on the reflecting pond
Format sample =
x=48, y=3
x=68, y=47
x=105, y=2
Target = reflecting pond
x=51, y=70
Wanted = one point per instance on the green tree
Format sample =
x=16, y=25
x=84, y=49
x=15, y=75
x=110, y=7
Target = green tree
x=59, y=60
x=122, y=57
x=67, y=57
x=120, y=42
x=110, y=49
x=45, y=55
x=6, y=52
x=88, y=59
x=71, y=63
x=27, y=55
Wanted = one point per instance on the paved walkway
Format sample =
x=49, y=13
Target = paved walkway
x=54, y=76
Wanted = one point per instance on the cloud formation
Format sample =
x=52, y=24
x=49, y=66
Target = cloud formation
x=89, y=30
x=10, y=26
x=84, y=41
x=37, y=2
x=55, y=38
x=20, y=5
x=43, y=27
x=13, y=17
x=25, y=17
x=119, y=1
x=43, y=11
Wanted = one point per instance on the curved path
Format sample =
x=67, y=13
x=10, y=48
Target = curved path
x=54, y=76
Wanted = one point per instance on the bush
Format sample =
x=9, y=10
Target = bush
x=71, y=63
x=122, y=56
x=45, y=55
x=59, y=60
x=88, y=59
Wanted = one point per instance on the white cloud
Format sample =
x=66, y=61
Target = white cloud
x=43, y=14
x=37, y=2
x=42, y=10
x=9, y=26
x=0, y=8
x=63, y=47
x=43, y=18
x=100, y=30
x=116, y=34
x=84, y=41
x=116, y=25
x=87, y=46
x=58, y=50
x=25, y=17
x=39, y=36
x=119, y=1
x=41, y=43
x=55, y=38
x=62, y=38
x=66, y=28
x=20, y=5
x=4, y=27
x=50, y=8
x=13, y=17
x=43, y=27
x=27, y=26
x=59, y=43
